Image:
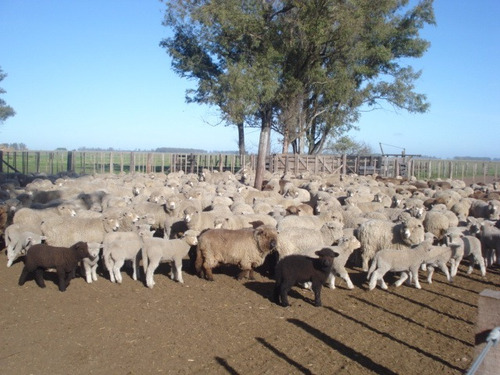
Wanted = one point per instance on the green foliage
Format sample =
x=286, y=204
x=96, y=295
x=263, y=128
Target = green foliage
x=347, y=145
x=303, y=67
x=6, y=111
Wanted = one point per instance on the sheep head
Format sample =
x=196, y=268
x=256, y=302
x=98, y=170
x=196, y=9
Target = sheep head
x=266, y=238
x=325, y=261
x=82, y=250
x=412, y=231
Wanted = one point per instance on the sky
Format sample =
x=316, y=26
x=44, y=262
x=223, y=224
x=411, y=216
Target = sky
x=92, y=74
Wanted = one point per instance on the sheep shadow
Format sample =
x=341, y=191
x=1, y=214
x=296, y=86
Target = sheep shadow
x=266, y=290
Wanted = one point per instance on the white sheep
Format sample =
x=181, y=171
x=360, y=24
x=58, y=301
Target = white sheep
x=18, y=241
x=157, y=250
x=119, y=247
x=89, y=265
x=398, y=260
x=66, y=231
x=469, y=247
x=375, y=235
x=247, y=221
x=200, y=221
x=299, y=240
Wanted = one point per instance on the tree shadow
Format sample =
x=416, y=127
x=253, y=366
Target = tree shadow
x=343, y=349
x=283, y=356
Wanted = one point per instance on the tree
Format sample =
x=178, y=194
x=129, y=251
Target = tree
x=301, y=68
x=6, y=111
x=347, y=145
x=345, y=55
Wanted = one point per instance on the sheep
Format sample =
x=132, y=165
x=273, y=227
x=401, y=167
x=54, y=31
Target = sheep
x=375, y=235
x=158, y=250
x=121, y=246
x=310, y=222
x=89, y=265
x=344, y=247
x=488, y=210
x=299, y=240
x=469, y=246
x=439, y=256
x=398, y=260
x=200, y=221
x=19, y=241
x=247, y=221
x=297, y=268
x=245, y=247
x=34, y=218
x=490, y=242
x=63, y=232
x=63, y=259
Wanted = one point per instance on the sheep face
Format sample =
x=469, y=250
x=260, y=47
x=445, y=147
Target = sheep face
x=412, y=232
x=266, y=238
x=326, y=257
x=191, y=237
x=82, y=250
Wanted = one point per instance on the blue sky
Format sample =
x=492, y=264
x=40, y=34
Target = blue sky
x=91, y=74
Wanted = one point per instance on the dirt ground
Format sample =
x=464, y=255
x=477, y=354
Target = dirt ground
x=232, y=327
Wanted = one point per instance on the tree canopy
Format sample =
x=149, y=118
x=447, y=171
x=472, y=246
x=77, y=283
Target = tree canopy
x=6, y=111
x=301, y=68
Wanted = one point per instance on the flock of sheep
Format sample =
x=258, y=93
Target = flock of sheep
x=315, y=224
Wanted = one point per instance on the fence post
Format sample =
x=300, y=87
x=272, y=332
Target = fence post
x=70, y=164
x=132, y=162
x=488, y=318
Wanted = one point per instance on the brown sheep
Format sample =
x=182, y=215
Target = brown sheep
x=296, y=268
x=65, y=260
x=246, y=248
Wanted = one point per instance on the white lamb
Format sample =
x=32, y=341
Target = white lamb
x=119, y=247
x=469, y=246
x=398, y=260
x=90, y=265
x=157, y=250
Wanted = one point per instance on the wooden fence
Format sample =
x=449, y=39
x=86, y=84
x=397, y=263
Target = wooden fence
x=87, y=162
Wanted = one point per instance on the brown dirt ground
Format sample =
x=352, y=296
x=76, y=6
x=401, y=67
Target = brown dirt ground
x=232, y=327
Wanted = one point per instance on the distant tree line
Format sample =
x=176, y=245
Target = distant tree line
x=13, y=147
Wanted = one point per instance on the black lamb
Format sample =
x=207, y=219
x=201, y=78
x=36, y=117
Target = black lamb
x=65, y=260
x=296, y=268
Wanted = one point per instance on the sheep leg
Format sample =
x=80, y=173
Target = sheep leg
x=284, y=289
x=430, y=270
x=177, y=268
x=479, y=260
x=152, y=266
x=374, y=279
x=245, y=274
x=317, y=294
x=208, y=272
x=345, y=276
x=88, y=272
x=330, y=281
x=94, y=272
x=109, y=263
x=134, y=269
x=39, y=277
x=414, y=275
x=365, y=261
x=23, y=276
x=116, y=270
x=454, y=266
x=402, y=279
x=63, y=279
x=444, y=268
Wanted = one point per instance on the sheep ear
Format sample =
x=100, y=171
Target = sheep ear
x=28, y=241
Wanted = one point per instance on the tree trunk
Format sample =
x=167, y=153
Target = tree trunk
x=241, y=138
x=265, y=133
